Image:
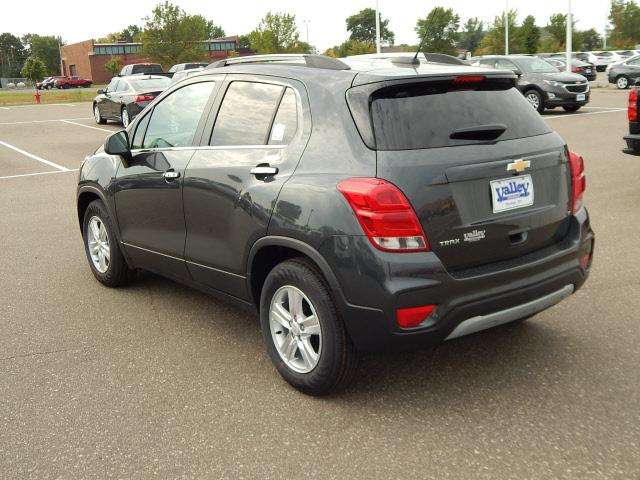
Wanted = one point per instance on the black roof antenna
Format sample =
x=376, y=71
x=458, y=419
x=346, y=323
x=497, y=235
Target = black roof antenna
x=424, y=37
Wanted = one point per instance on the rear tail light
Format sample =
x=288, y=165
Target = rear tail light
x=578, y=180
x=576, y=69
x=144, y=98
x=632, y=109
x=414, y=316
x=385, y=214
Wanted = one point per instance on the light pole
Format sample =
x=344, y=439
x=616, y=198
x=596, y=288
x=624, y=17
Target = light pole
x=506, y=27
x=377, y=27
x=569, y=36
x=306, y=24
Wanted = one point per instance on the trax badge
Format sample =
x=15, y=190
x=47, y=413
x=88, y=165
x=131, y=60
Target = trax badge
x=474, y=236
x=518, y=166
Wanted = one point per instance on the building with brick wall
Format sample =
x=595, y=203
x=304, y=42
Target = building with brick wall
x=87, y=59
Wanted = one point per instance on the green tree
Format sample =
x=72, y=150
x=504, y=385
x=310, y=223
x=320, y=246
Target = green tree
x=442, y=33
x=557, y=29
x=625, y=20
x=12, y=55
x=472, y=34
x=277, y=33
x=244, y=41
x=113, y=66
x=351, y=47
x=212, y=30
x=131, y=34
x=34, y=69
x=362, y=27
x=493, y=42
x=47, y=49
x=591, y=40
x=528, y=35
x=171, y=36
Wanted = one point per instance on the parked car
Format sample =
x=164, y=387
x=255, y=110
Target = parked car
x=624, y=74
x=187, y=66
x=48, y=83
x=602, y=59
x=72, y=82
x=144, y=68
x=181, y=74
x=350, y=229
x=633, y=138
x=585, y=69
x=582, y=56
x=624, y=54
x=126, y=97
x=542, y=84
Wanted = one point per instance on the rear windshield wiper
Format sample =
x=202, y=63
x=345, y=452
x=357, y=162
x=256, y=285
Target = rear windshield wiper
x=479, y=132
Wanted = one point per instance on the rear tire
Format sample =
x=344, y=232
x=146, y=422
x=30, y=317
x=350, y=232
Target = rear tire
x=102, y=248
x=295, y=301
x=571, y=108
x=124, y=117
x=97, y=115
x=535, y=100
x=622, y=82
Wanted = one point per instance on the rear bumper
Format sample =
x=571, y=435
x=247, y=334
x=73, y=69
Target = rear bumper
x=633, y=144
x=375, y=284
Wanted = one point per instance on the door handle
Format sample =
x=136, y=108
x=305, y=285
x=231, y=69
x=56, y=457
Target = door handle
x=264, y=170
x=170, y=175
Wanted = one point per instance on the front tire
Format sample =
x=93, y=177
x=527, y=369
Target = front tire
x=101, y=247
x=571, y=108
x=535, y=100
x=97, y=115
x=124, y=117
x=304, y=336
x=622, y=82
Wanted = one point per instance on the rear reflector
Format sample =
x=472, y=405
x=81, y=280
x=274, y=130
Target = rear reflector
x=578, y=180
x=632, y=110
x=414, y=316
x=463, y=80
x=144, y=98
x=385, y=214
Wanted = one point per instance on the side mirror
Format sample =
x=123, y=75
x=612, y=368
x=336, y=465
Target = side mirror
x=100, y=91
x=118, y=144
x=518, y=72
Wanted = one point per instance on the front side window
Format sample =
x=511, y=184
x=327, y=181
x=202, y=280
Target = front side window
x=113, y=84
x=246, y=114
x=175, y=119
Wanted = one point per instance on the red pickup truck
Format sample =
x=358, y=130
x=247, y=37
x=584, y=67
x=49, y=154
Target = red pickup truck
x=76, y=82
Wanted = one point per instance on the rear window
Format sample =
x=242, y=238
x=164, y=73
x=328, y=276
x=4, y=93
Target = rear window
x=418, y=116
x=151, y=84
x=153, y=68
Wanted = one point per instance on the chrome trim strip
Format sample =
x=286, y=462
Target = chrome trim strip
x=215, y=269
x=183, y=260
x=211, y=147
x=482, y=322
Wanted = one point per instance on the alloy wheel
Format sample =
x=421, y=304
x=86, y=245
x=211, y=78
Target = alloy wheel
x=125, y=118
x=622, y=83
x=96, y=113
x=295, y=329
x=533, y=99
x=98, y=244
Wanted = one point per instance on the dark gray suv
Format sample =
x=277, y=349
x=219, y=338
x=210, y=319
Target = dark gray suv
x=355, y=206
x=542, y=84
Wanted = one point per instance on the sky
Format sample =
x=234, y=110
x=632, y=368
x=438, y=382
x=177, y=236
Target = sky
x=77, y=21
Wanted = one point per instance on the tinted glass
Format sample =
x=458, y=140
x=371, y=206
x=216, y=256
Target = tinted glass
x=153, y=68
x=425, y=115
x=286, y=121
x=634, y=61
x=505, y=64
x=139, y=135
x=122, y=86
x=175, y=119
x=535, y=65
x=488, y=62
x=246, y=114
x=151, y=84
x=113, y=84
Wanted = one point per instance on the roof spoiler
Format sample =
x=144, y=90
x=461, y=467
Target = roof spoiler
x=429, y=57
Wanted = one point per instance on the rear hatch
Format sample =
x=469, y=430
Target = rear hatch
x=486, y=176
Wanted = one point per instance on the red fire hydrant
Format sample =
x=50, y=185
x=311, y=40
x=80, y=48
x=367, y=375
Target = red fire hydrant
x=37, y=95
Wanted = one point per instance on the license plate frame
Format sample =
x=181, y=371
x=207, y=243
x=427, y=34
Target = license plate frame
x=511, y=193
x=580, y=97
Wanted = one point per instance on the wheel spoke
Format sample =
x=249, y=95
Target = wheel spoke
x=295, y=302
x=102, y=262
x=280, y=315
x=311, y=325
x=95, y=230
x=309, y=356
x=289, y=347
x=103, y=232
x=93, y=247
x=106, y=252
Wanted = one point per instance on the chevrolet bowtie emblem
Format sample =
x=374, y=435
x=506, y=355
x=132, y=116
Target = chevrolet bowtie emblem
x=518, y=166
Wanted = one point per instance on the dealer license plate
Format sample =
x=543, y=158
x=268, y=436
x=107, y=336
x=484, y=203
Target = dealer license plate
x=511, y=193
x=580, y=97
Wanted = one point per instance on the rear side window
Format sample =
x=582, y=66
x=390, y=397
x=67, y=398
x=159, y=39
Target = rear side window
x=286, y=122
x=418, y=116
x=175, y=119
x=246, y=114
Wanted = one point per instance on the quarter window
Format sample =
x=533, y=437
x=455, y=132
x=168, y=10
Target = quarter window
x=246, y=114
x=175, y=119
x=286, y=121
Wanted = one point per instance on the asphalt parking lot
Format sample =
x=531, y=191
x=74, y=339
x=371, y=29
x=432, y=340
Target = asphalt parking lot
x=156, y=380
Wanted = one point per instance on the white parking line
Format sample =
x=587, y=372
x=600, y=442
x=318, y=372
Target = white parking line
x=39, y=173
x=578, y=115
x=44, y=121
x=87, y=126
x=35, y=157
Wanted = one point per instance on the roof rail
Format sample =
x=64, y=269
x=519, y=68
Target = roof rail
x=311, y=61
